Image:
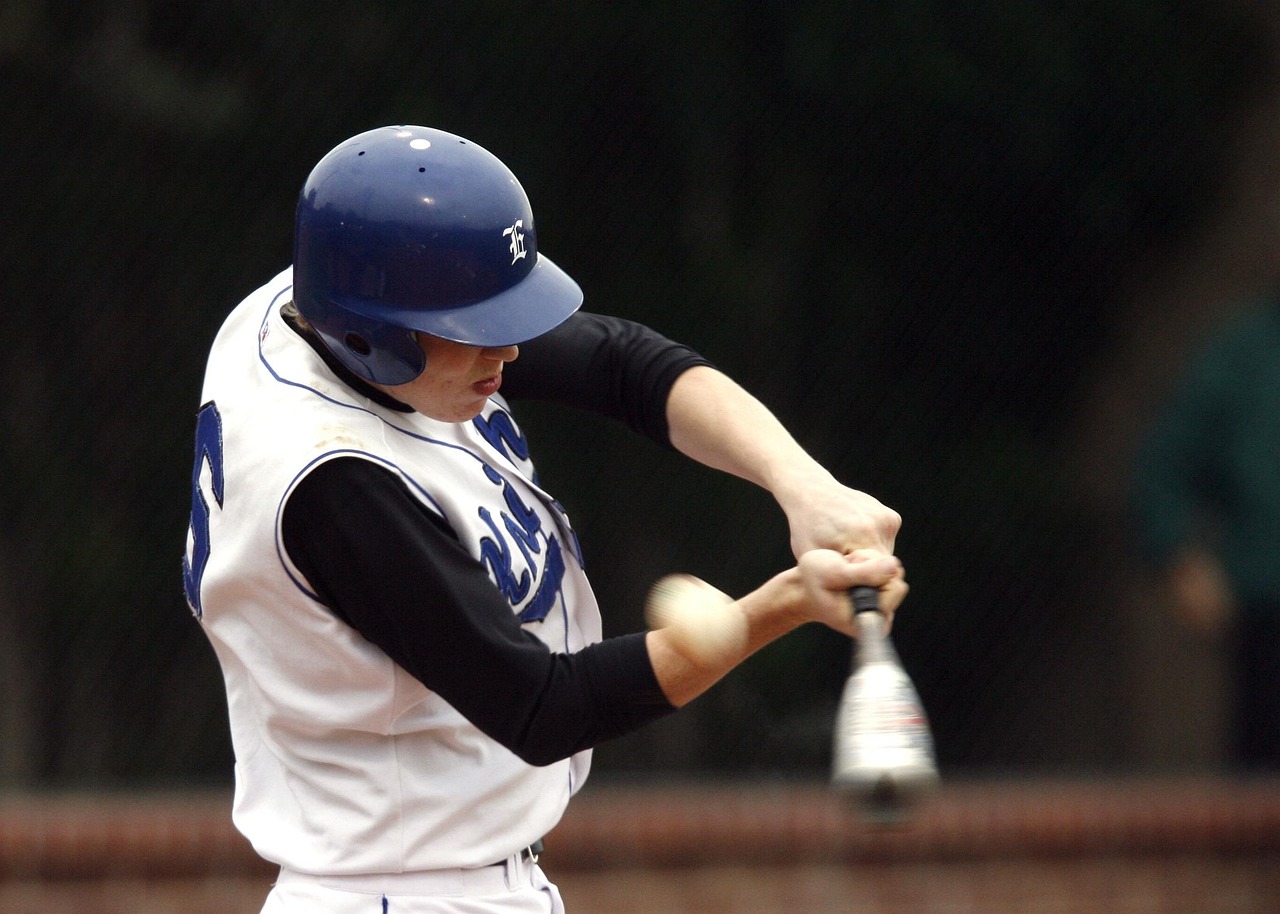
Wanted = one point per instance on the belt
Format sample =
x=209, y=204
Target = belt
x=505, y=875
x=530, y=853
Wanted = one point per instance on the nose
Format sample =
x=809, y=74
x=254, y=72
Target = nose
x=502, y=353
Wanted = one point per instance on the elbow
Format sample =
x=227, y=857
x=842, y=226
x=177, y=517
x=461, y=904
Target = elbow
x=541, y=742
x=541, y=747
x=539, y=756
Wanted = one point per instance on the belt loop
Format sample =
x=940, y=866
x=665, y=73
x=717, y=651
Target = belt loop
x=518, y=868
x=511, y=870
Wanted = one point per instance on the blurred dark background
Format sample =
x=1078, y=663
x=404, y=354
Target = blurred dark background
x=960, y=248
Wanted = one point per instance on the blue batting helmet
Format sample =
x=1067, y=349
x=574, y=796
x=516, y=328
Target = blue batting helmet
x=408, y=229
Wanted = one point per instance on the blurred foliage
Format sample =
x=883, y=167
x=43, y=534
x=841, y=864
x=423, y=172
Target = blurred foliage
x=903, y=223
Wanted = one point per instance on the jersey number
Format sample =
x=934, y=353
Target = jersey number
x=208, y=450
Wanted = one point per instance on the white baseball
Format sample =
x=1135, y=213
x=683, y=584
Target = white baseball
x=701, y=621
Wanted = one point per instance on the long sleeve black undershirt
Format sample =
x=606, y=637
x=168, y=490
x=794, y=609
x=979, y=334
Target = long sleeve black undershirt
x=396, y=572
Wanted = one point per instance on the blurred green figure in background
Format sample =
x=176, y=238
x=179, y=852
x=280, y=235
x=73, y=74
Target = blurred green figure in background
x=1207, y=501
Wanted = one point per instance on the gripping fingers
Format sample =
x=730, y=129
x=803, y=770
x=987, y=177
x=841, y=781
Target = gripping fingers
x=828, y=575
x=830, y=570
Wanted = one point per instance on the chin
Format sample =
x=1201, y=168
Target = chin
x=462, y=415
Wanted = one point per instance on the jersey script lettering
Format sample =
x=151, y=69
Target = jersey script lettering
x=520, y=524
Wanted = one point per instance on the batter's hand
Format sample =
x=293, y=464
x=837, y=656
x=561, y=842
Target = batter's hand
x=823, y=514
x=827, y=576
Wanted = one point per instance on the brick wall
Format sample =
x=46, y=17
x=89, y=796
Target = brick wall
x=1123, y=846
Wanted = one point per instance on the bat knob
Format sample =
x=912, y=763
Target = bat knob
x=865, y=599
x=884, y=803
x=889, y=799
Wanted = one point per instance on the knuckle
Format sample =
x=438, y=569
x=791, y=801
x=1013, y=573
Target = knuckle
x=890, y=522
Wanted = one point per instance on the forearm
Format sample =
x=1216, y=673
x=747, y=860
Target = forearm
x=717, y=423
x=768, y=613
x=815, y=590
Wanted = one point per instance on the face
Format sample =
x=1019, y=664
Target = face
x=457, y=381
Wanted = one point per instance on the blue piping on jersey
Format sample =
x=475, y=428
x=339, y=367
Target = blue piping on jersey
x=487, y=432
x=363, y=409
x=330, y=455
x=492, y=429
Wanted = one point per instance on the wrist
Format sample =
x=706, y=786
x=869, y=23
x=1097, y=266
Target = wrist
x=775, y=608
x=791, y=482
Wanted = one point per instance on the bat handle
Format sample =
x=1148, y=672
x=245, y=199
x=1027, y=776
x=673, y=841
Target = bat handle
x=871, y=644
x=865, y=599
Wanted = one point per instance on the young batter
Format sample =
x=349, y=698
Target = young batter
x=412, y=653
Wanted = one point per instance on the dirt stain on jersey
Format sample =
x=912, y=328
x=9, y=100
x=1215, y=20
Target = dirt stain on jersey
x=334, y=436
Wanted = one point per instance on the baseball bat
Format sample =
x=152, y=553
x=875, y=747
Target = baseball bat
x=883, y=749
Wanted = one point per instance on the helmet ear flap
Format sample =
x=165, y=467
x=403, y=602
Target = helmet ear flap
x=379, y=353
x=357, y=345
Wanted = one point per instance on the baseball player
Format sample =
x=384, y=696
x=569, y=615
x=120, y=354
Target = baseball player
x=412, y=653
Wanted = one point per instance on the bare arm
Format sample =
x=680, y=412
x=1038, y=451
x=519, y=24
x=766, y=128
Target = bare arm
x=716, y=422
x=840, y=536
x=816, y=590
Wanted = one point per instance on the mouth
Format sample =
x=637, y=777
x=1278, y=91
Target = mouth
x=487, y=387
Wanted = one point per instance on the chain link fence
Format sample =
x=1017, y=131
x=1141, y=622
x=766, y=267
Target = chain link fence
x=908, y=227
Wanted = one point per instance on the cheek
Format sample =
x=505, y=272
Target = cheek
x=445, y=359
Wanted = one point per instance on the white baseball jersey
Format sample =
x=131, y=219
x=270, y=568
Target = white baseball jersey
x=345, y=763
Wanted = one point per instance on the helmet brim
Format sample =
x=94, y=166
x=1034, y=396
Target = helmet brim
x=540, y=302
